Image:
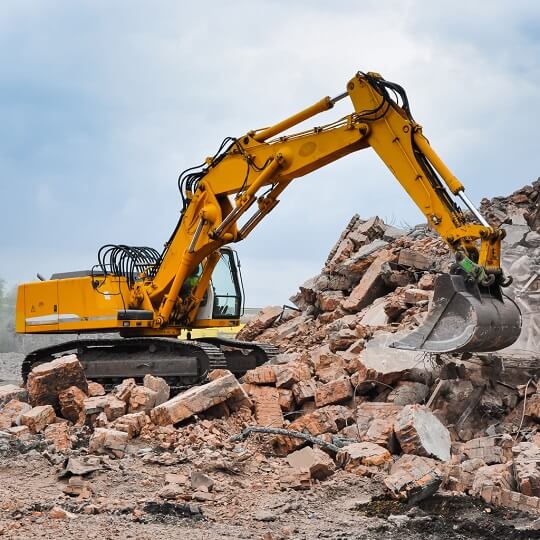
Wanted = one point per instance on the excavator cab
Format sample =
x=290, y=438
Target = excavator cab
x=465, y=316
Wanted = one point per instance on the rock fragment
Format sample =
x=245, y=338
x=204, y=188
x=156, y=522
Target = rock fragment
x=413, y=478
x=196, y=400
x=46, y=381
x=158, y=385
x=420, y=432
x=38, y=418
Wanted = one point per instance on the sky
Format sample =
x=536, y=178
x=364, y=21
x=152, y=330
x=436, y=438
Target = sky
x=103, y=103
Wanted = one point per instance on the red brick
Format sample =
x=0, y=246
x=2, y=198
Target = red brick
x=333, y=392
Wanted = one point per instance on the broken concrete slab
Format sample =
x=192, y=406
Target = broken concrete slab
x=379, y=363
x=420, y=432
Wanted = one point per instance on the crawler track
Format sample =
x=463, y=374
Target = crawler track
x=180, y=363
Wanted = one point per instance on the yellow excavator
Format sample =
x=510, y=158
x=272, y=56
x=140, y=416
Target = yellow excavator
x=149, y=298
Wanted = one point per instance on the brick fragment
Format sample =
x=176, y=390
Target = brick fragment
x=38, y=418
x=46, y=381
x=123, y=390
x=142, y=399
x=319, y=464
x=329, y=419
x=304, y=391
x=12, y=391
x=289, y=374
x=413, y=478
x=158, y=385
x=105, y=440
x=72, y=404
x=95, y=389
x=416, y=296
x=297, y=479
x=364, y=454
x=371, y=286
x=286, y=399
x=197, y=399
x=11, y=412
x=267, y=408
x=261, y=375
x=58, y=435
x=527, y=468
x=333, y=392
x=20, y=433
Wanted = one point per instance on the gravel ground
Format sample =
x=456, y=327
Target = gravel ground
x=246, y=506
x=10, y=367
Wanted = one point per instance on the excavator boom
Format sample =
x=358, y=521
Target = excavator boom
x=140, y=292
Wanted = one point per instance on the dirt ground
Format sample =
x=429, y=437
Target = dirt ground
x=247, y=504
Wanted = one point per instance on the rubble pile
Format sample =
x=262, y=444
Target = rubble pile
x=337, y=400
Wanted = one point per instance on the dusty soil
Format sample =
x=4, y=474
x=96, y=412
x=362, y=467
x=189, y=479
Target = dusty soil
x=248, y=504
x=10, y=367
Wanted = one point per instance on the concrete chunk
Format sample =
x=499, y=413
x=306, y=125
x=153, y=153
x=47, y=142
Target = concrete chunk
x=420, y=432
x=196, y=400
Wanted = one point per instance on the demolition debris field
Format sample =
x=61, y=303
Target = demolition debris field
x=340, y=437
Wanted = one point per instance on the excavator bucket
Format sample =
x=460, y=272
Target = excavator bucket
x=465, y=317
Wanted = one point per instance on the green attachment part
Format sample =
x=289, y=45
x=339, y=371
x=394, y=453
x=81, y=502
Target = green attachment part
x=472, y=269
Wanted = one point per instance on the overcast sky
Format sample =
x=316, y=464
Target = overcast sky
x=104, y=103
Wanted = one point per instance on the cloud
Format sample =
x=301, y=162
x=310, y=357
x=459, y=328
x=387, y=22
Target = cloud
x=103, y=104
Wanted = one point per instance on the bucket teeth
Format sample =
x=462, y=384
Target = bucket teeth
x=465, y=318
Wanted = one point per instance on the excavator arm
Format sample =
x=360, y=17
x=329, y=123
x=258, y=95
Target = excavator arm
x=249, y=174
x=224, y=199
